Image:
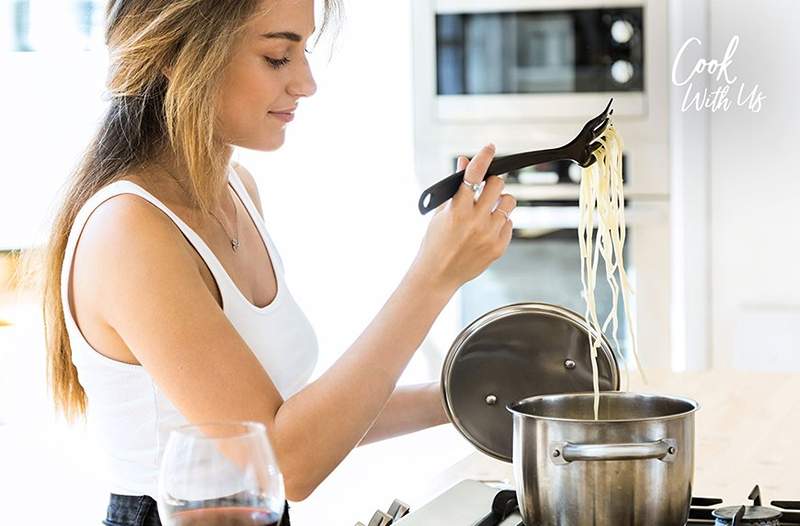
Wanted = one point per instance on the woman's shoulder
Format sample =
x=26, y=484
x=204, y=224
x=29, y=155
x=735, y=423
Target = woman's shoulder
x=126, y=212
x=125, y=222
x=131, y=208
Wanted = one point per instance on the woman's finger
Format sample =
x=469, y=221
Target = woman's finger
x=506, y=232
x=502, y=214
x=461, y=164
x=475, y=171
x=490, y=194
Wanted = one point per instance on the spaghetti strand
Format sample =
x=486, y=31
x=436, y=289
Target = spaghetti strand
x=601, y=196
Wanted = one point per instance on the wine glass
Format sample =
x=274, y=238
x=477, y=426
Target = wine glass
x=220, y=474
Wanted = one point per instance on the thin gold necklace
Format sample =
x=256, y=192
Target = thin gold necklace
x=234, y=239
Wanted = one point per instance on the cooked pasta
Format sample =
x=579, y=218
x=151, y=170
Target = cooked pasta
x=601, y=234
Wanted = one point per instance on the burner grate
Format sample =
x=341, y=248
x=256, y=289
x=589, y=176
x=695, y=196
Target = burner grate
x=702, y=508
x=700, y=511
x=504, y=509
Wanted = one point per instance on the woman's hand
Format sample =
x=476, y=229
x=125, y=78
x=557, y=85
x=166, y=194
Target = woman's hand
x=466, y=235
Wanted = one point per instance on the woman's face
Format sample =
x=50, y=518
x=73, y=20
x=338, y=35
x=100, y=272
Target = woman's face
x=268, y=73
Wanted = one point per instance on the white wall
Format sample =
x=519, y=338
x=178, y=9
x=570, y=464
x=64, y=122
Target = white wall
x=755, y=182
x=50, y=102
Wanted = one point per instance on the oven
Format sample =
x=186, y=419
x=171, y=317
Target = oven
x=526, y=75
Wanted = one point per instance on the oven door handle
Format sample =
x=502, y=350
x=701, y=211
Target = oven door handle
x=533, y=221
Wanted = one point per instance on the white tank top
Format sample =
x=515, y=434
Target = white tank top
x=128, y=415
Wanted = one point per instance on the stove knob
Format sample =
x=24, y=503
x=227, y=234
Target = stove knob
x=398, y=510
x=380, y=519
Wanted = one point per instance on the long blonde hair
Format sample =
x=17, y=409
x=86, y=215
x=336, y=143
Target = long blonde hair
x=193, y=40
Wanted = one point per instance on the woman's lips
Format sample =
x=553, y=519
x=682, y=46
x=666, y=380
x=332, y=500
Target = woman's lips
x=285, y=117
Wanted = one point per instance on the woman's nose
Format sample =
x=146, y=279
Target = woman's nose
x=304, y=85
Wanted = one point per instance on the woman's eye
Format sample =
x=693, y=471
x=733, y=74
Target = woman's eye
x=277, y=63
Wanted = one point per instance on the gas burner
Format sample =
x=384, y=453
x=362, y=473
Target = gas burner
x=740, y=515
x=755, y=514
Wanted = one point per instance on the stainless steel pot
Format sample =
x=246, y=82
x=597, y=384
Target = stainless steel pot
x=632, y=467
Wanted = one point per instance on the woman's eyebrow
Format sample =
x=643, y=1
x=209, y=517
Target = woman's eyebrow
x=288, y=35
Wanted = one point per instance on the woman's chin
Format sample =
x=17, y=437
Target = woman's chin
x=272, y=145
x=266, y=144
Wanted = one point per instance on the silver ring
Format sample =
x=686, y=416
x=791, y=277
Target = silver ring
x=498, y=209
x=475, y=187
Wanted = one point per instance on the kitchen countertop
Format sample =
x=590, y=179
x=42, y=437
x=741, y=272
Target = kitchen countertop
x=747, y=433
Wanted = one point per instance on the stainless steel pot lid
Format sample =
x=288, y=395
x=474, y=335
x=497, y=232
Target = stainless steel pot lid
x=515, y=352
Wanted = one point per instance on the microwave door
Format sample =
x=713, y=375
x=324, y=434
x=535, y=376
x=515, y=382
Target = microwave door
x=533, y=54
x=486, y=57
x=545, y=49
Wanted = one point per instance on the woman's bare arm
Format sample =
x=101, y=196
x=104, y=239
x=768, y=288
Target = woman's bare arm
x=331, y=416
x=409, y=409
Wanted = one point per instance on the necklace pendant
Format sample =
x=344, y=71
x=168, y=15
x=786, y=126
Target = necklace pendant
x=235, y=244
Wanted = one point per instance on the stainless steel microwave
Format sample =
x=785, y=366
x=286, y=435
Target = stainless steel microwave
x=516, y=59
x=556, y=51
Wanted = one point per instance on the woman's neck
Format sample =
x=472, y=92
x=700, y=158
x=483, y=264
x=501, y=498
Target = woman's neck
x=172, y=177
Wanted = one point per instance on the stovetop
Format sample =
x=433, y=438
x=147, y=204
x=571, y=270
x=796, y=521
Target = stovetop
x=469, y=503
x=702, y=509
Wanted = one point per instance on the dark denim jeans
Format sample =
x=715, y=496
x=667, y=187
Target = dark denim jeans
x=130, y=510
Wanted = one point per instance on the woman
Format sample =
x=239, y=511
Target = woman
x=165, y=300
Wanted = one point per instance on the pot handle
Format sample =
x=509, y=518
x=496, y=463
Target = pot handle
x=664, y=450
